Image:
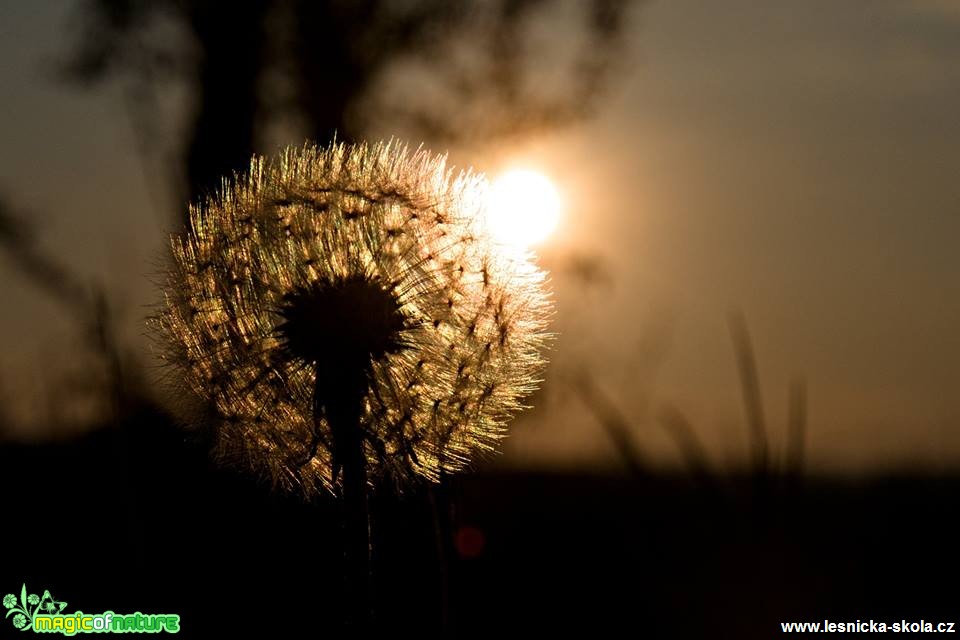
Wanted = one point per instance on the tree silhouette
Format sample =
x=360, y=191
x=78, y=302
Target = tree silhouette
x=330, y=56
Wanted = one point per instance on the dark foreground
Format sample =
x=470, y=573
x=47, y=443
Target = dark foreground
x=135, y=520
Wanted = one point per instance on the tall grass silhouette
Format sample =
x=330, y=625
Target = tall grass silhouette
x=343, y=318
x=763, y=462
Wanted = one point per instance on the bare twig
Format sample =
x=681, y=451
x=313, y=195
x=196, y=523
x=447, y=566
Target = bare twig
x=17, y=240
x=87, y=303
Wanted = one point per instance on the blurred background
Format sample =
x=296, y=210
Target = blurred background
x=751, y=412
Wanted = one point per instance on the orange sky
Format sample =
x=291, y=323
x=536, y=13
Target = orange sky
x=795, y=160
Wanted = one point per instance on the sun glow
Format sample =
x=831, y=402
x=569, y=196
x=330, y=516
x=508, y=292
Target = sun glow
x=524, y=208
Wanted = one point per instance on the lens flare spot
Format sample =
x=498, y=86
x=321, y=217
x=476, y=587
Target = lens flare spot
x=470, y=542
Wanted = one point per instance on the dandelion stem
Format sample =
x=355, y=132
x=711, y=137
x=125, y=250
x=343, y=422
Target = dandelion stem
x=343, y=411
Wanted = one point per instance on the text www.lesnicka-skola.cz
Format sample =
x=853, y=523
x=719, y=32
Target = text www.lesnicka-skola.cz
x=868, y=626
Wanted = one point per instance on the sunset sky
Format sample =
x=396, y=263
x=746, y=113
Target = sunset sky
x=796, y=161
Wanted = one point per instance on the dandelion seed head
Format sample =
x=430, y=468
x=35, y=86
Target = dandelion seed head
x=328, y=261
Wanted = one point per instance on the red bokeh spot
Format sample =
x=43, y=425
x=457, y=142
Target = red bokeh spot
x=470, y=542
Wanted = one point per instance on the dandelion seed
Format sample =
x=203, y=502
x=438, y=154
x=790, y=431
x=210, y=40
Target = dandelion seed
x=351, y=279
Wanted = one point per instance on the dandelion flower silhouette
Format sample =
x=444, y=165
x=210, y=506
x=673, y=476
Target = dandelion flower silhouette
x=353, y=278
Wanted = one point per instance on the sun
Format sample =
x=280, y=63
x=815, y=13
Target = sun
x=524, y=208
